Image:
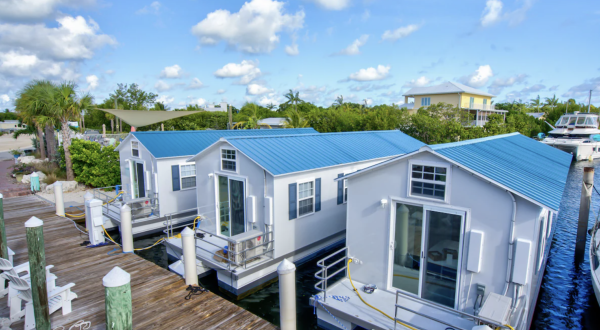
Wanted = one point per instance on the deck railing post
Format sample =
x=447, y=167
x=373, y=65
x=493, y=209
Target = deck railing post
x=126, y=231
x=189, y=256
x=88, y=196
x=117, y=301
x=587, y=187
x=3, y=243
x=287, y=295
x=58, y=198
x=37, y=269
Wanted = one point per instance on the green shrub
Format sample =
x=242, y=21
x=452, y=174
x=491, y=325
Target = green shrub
x=94, y=165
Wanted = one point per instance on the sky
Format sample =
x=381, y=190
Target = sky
x=202, y=52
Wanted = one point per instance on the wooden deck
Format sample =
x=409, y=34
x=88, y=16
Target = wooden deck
x=158, y=294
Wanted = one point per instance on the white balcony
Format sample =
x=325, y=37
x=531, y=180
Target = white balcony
x=480, y=106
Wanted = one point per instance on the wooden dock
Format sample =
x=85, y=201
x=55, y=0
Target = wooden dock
x=158, y=294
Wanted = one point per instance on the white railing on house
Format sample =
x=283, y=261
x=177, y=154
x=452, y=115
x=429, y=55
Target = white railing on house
x=479, y=106
x=141, y=208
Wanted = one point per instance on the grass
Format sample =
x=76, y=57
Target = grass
x=52, y=171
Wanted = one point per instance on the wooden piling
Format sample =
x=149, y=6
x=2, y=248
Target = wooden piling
x=117, y=289
x=3, y=244
x=37, y=269
x=587, y=187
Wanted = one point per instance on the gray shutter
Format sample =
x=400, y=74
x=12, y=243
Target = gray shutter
x=293, y=206
x=175, y=176
x=318, y=195
x=340, y=189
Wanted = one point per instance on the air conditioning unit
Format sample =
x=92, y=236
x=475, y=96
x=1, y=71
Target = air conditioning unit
x=246, y=246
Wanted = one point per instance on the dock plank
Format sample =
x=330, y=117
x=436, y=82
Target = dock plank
x=158, y=295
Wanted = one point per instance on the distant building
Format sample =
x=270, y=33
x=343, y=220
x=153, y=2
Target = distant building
x=537, y=115
x=11, y=126
x=272, y=122
x=218, y=107
x=477, y=102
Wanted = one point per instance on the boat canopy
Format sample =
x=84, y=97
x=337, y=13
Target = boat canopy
x=581, y=120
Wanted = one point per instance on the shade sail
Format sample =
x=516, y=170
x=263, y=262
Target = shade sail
x=139, y=118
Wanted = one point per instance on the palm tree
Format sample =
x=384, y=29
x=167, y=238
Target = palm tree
x=65, y=105
x=33, y=111
x=252, y=121
x=295, y=120
x=536, y=102
x=293, y=99
x=270, y=106
x=112, y=121
x=551, y=102
x=339, y=101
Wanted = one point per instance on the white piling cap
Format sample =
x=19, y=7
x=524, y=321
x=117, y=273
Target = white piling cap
x=116, y=277
x=34, y=222
x=125, y=207
x=1, y=196
x=286, y=267
x=187, y=232
x=34, y=175
x=88, y=195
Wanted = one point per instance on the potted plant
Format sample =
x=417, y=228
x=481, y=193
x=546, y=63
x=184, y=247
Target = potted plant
x=16, y=153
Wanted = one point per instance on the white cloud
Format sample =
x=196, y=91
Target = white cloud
x=370, y=74
x=332, y=4
x=419, y=82
x=162, y=86
x=499, y=84
x=492, y=12
x=256, y=89
x=74, y=39
x=246, y=70
x=368, y=101
x=524, y=93
x=153, y=8
x=165, y=99
x=268, y=99
x=292, y=49
x=110, y=72
x=354, y=47
x=366, y=15
x=254, y=29
x=221, y=91
x=22, y=65
x=199, y=101
x=171, y=72
x=4, y=98
x=478, y=78
x=92, y=81
x=582, y=91
x=195, y=84
x=399, y=33
x=30, y=10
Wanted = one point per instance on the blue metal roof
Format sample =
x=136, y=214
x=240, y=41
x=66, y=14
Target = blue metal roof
x=294, y=153
x=187, y=143
x=521, y=164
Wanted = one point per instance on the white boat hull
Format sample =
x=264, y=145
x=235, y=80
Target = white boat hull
x=579, y=149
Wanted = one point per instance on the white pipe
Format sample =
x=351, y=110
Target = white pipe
x=287, y=295
x=189, y=256
x=126, y=232
x=511, y=242
x=58, y=198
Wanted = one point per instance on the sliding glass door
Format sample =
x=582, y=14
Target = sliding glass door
x=231, y=200
x=427, y=248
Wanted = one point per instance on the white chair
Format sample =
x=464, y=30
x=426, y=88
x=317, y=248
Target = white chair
x=59, y=298
x=8, y=269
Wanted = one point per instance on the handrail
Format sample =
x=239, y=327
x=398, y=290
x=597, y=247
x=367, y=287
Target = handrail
x=322, y=275
x=440, y=307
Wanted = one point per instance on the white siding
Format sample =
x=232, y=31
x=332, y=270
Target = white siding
x=489, y=210
x=173, y=201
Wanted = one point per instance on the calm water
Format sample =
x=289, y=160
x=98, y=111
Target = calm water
x=566, y=299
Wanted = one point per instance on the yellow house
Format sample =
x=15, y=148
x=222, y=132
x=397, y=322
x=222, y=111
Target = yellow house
x=477, y=102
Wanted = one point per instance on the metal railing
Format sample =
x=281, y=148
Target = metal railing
x=479, y=106
x=141, y=208
x=323, y=274
x=476, y=319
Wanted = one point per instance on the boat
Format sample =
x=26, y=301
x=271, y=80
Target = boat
x=577, y=134
x=595, y=260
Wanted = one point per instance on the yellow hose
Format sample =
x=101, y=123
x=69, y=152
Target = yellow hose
x=140, y=249
x=366, y=303
x=196, y=218
x=83, y=214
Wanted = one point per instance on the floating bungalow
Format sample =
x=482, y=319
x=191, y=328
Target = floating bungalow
x=450, y=236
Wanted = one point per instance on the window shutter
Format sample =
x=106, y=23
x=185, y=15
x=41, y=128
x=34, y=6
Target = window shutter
x=175, y=176
x=340, y=189
x=318, y=195
x=293, y=206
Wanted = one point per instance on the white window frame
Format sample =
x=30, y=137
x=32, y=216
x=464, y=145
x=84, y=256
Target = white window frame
x=428, y=101
x=448, y=182
x=229, y=177
x=345, y=191
x=189, y=176
x=221, y=159
x=314, y=188
x=139, y=155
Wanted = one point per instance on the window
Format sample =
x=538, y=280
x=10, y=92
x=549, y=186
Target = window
x=484, y=101
x=471, y=102
x=346, y=191
x=580, y=120
x=306, y=198
x=135, y=151
x=572, y=120
x=428, y=181
x=425, y=101
x=188, y=176
x=228, y=161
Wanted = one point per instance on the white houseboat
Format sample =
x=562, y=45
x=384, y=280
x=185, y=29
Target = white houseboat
x=157, y=181
x=577, y=134
x=452, y=236
x=263, y=199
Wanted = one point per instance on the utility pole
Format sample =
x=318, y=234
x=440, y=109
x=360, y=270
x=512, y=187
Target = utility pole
x=229, y=111
x=590, y=101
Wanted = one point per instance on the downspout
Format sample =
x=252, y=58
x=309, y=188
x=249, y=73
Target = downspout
x=511, y=242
